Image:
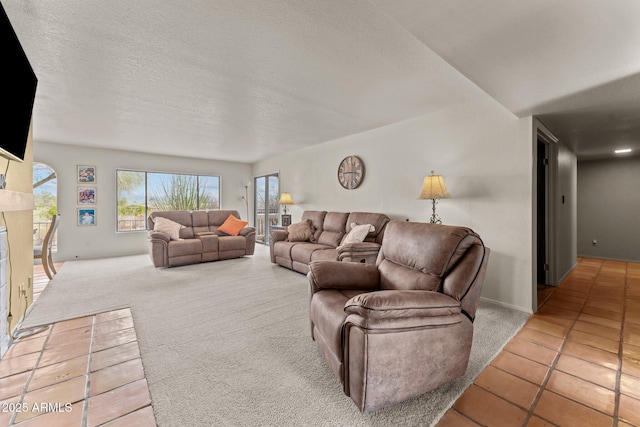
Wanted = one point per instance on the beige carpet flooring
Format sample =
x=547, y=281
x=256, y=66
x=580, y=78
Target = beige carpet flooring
x=227, y=343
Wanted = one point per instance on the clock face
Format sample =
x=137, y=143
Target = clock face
x=351, y=172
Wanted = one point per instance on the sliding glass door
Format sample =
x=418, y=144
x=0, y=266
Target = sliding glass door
x=267, y=189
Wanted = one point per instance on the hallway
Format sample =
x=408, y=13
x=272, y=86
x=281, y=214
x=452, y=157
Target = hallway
x=576, y=362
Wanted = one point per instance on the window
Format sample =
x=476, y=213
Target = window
x=140, y=193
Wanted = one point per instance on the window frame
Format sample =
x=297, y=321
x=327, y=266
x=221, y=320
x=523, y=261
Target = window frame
x=145, y=185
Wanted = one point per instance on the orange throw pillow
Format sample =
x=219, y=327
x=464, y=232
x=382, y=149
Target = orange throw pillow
x=232, y=226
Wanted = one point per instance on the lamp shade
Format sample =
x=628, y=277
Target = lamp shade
x=433, y=188
x=285, y=199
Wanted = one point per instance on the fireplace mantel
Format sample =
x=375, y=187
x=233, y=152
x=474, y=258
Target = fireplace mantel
x=16, y=201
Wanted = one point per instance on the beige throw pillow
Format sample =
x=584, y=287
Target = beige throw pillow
x=301, y=232
x=167, y=226
x=358, y=233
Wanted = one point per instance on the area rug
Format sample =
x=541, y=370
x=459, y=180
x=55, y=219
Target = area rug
x=227, y=343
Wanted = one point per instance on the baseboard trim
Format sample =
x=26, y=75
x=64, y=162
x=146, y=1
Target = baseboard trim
x=567, y=273
x=504, y=304
x=608, y=259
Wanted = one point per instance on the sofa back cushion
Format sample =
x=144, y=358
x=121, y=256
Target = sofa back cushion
x=334, y=228
x=302, y=231
x=200, y=220
x=421, y=256
x=378, y=220
x=317, y=220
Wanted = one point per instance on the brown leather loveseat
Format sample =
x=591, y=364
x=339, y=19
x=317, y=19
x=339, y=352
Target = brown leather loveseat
x=197, y=238
x=328, y=240
x=400, y=328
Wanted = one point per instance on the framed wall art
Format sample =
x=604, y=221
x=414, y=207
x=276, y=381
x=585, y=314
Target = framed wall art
x=87, y=196
x=86, y=216
x=86, y=174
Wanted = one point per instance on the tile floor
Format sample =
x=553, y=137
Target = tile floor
x=576, y=362
x=80, y=372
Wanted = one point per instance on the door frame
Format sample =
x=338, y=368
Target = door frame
x=543, y=134
x=267, y=226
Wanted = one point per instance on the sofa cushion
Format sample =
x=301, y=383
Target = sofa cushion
x=200, y=222
x=232, y=226
x=301, y=232
x=165, y=225
x=317, y=220
x=184, y=247
x=231, y=243
x=333, y=228
x=283, y=249
x=303, y=252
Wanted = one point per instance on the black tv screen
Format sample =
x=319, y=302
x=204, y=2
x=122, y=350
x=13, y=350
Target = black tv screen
x=18, y=94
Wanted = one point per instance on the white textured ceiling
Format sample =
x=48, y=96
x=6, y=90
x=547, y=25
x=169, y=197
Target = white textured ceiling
x=575, y=64
x=243, y=80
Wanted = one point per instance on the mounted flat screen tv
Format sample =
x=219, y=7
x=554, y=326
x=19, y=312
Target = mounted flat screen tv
x=19, y=94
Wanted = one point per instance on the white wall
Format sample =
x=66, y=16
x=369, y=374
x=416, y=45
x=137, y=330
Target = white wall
x=608, y=208
x=484, y=154
x=103, y=240
x=566, y=213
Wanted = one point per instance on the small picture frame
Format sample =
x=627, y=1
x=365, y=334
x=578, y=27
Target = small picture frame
x=86, y=216
x=87, y=196
x=86, y=174
x=286, y=220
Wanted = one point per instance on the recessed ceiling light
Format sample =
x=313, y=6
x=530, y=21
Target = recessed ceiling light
x=624, y=150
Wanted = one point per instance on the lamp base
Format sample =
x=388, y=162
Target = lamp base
x=435, y=219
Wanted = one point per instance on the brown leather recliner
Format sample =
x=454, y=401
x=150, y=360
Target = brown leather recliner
x=403, y=327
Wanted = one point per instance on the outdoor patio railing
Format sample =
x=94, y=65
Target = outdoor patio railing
x=131, y=224
x=260, y=226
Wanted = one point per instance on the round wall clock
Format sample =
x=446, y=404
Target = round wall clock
x=351, y=172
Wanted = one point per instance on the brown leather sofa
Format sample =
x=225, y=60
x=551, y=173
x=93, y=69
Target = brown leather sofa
x=330, y=231
x=199, y=240
x=403, y=327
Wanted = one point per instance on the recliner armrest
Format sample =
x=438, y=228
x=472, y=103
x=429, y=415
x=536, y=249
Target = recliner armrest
x=158, y=235
x=390, y=309
x=340, y=275
x=359, y=247
x=246, y=231
x=278, y=235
